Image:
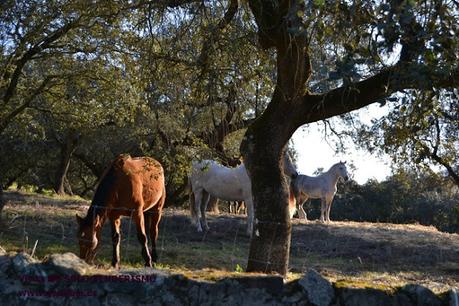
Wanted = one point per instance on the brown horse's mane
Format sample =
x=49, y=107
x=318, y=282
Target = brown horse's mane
x=104, y=186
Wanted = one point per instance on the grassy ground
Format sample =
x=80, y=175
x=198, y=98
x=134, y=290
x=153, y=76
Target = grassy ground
x=373, y=253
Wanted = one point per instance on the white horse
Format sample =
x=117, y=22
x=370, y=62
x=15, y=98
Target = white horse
x=228, y=184
x=321, y=187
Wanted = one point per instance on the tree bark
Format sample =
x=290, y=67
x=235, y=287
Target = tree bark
x=265, y=141
x=67, y=149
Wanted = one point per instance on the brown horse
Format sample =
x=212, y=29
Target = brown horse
x=130, y=187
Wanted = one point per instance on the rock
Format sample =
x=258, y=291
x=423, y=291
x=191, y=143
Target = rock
x=67, y=264
x=272, y=284
x=22, y=263
x=421, y=295
x=5, y=263
x=168, y=298
x=85, y=301
x=9, y=285
x=453, y=297
x=296, y=298
x=61, y=280
x=319, y=290
x=365, y=297
x=120, y=299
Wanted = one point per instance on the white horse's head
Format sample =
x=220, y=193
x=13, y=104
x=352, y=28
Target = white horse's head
x=342, y=170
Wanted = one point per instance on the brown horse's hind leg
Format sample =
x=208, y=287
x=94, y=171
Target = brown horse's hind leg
x=153, y=223
x=142, y=237
x=116, y=239
x=153, y=218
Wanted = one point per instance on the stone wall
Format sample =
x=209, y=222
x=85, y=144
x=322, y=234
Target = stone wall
x=64, y=279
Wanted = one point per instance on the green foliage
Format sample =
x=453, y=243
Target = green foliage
x=122, y=80
x=238, y=269
x=421, y=130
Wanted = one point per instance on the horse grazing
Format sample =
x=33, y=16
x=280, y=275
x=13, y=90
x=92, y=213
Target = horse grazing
x=129, y=187
x=321, y=187
x=208, y=178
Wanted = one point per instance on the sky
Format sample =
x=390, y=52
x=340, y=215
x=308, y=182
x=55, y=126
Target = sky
x=314, y=152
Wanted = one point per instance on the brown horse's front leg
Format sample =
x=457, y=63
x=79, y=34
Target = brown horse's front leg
x=141, y=235
x=116, y=239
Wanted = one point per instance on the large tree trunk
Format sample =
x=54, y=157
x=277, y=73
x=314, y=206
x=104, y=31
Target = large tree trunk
x=269, y=250
x=264, y=143
x=67, y=149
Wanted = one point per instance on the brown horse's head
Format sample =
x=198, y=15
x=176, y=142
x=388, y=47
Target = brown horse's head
x=87, y=238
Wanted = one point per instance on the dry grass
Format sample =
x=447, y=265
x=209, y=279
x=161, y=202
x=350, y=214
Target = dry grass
x=353, y=253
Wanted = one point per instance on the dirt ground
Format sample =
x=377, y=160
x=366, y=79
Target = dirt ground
x=374, y=253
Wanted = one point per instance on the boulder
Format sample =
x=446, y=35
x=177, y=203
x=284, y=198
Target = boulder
x=421, y=295
x=453, y=296
x=66, y=264
x=319, y=290
x=24, y=264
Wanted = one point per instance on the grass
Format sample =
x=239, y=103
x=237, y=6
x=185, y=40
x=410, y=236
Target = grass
x=361, y=253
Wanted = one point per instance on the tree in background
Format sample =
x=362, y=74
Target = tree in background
x=405, y=197
x=127, y=74
x=38, y=42
x=421, y=130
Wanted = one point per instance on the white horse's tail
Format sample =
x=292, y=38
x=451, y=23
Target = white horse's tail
x=191, y=198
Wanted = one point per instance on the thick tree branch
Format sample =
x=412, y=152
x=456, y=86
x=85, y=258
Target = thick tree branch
x=172, y=3
x=269, y=16
x=434, y=155
x=214, y=35
x=355, y=96
x=29, y=54
x=5, y=121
